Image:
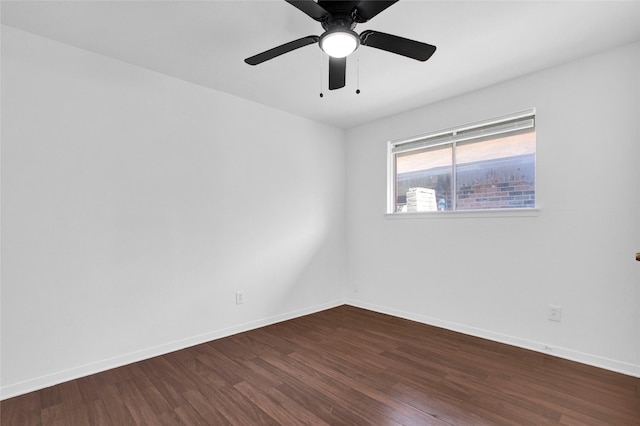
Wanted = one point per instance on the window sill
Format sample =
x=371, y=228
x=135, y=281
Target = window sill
x=461, y=214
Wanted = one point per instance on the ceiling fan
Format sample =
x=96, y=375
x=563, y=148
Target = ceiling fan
x=339, y=18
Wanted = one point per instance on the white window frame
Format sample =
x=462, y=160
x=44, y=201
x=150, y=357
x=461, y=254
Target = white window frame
x=516, y=121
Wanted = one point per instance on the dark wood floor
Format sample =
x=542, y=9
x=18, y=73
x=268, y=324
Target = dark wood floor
x=341, y=366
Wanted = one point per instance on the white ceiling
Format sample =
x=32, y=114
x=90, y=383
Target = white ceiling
x=480, y=43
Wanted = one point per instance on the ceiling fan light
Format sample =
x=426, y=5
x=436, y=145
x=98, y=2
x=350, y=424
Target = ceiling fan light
x=340, y=43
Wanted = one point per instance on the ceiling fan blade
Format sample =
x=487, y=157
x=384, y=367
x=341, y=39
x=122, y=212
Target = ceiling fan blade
x=367, y=9
x=311, y=8
x=399, y=45
x=337, y=72
x=281, y=50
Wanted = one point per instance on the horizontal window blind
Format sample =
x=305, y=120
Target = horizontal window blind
x=499, y=126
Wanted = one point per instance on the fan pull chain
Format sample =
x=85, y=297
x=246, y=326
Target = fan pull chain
x=358, y=76
x=321, y=94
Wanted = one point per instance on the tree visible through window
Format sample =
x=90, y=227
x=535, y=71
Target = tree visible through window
x=489, y=165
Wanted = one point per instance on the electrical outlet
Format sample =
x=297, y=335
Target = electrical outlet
x=239, y=297
x=555, y=313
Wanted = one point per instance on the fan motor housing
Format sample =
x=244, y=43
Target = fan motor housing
x=340, y=21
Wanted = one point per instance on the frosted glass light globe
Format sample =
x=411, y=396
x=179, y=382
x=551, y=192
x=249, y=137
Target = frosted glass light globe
x=339, y=44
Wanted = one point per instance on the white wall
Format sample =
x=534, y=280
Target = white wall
x=493, y=276
x=134, y=205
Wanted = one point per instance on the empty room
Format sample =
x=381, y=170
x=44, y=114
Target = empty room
x=320, y=212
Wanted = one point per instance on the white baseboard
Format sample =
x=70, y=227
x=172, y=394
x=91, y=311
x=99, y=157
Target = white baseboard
x=52, y=379
x=581, y=357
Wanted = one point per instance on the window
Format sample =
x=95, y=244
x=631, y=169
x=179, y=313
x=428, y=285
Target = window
x=482, y=166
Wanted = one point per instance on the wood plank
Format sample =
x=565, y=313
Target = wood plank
x=278, y=406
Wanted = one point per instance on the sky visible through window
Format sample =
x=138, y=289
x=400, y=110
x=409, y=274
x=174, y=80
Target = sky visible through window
x=503, y=147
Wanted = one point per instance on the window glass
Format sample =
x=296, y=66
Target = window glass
x=489, y=165
x=424, y=179
x=496, y=172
